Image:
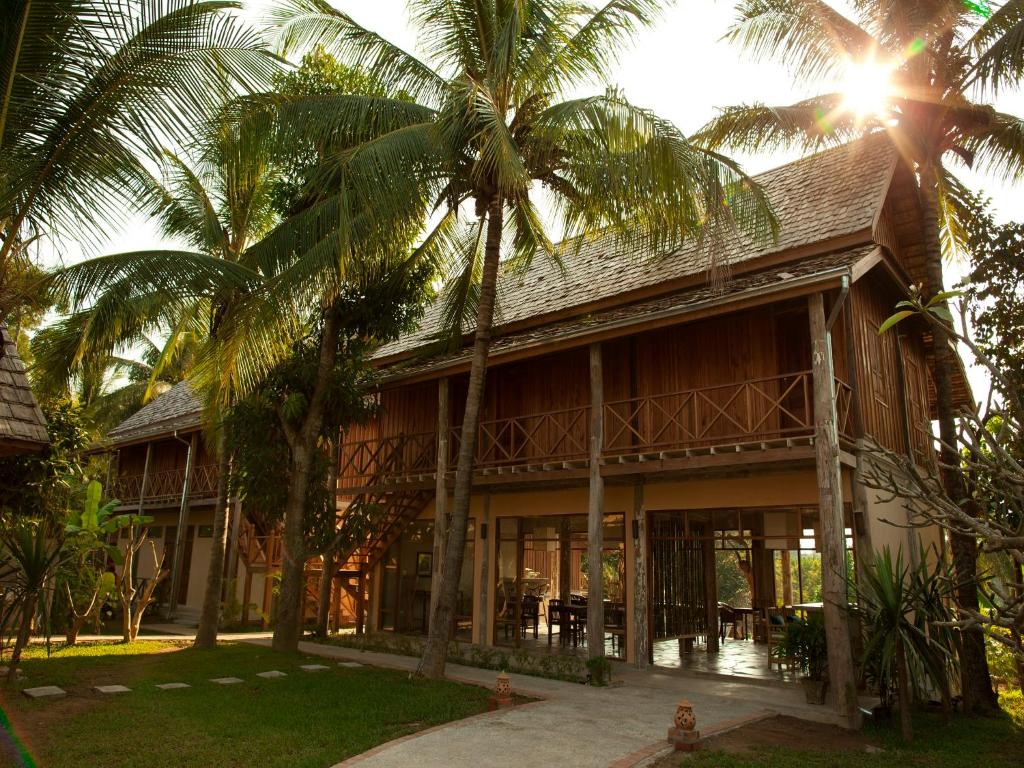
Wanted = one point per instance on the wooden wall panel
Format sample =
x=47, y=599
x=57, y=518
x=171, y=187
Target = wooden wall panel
x=877, y=361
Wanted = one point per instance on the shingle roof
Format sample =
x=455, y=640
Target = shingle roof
x=674, y=304
x=177, y=408
x=22, y=424
x=818, y=198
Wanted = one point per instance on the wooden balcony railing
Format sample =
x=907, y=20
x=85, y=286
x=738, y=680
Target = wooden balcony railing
x=166, y=485
x=772, y=408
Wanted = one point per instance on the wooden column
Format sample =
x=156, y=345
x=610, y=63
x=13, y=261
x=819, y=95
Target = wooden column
x=595, y=512
x=487, y=547
x=564, y=559
x=830, y=506
x=641, y=633
x=179, y=540
x=440, y=494
x=710, y=591
x=787, y=577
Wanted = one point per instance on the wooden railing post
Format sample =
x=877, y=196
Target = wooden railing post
x=595, y=513
x=440, y=494
x=830, y=506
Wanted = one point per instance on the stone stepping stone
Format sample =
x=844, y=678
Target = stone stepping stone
x=349, y=664
x=271, y=674
x=17, y=673
x=227, y=680
x=44, y=691
x=314, y=667
x=111, y=689
x=173, y=686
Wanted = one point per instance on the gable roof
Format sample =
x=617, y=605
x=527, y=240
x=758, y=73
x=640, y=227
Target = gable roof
x=22, y=424
x=817, y=199
x=176, y=409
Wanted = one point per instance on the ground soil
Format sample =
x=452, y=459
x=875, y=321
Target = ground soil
x=780, y=731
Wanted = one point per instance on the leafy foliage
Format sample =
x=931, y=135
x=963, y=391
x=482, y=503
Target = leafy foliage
x=944, y=59
x=46, y=484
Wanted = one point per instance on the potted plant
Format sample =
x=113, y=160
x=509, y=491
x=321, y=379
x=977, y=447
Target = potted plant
x=804, y=645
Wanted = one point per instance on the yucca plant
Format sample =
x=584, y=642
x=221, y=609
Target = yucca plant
x=934, y=67
x=490, y=116
x=30, y=552
x=908, y=647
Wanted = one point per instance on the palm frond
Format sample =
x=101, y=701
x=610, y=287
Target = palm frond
x=303, y=24
x=807, y=125
x=998, y=49
x=809, y=36
x=998, y=146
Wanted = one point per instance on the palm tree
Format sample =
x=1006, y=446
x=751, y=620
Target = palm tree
x=87, y=87
x=108, y=387
x=485, y=125
x=218, y=206
x=943, y=57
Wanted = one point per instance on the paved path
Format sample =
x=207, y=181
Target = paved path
x=574, y=725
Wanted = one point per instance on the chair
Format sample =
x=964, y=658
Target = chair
x=615, y=623
x=558, y=616
x=530, y=612
x=727, y=618
x=775, y=626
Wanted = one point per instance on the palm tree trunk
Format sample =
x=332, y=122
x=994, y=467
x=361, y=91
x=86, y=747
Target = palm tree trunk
x=975, y=683
x=206, y=634
x=323, y=608
x=302, y=442
x=436, y=648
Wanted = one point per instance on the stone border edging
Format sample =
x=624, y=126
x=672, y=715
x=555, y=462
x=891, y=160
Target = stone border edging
x=634, y=759
x=356, y=759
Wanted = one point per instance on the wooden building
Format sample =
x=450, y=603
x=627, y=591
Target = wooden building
x=22, y=424
x=161, y=466
x=693, y=420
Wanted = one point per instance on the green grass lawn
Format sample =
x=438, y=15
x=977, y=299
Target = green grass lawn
x=312, y=719
x=964, y=742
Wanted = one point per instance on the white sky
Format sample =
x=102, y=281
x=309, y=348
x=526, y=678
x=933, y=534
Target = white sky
x=681, y=69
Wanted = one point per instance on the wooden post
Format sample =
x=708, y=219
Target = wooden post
x=830, y=506
x=361, y=602
x=179, y=543
x=440, y=494
x=787, y=577
x=564, y=559
x=641, y=633
x=710, y=591
x=595, y=512
x=484, y=621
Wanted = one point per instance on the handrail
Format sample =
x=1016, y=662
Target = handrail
x=166, y=484
x=765, y=408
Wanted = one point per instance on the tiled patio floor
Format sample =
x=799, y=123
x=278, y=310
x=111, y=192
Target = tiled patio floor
x=743, y=659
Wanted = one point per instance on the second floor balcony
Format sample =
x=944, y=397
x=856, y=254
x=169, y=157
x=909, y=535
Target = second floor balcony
x=757, y=414
x=164, y=487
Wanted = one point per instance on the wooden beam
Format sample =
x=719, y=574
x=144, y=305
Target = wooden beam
x=641, y=633
x=483, y=605
x=595, y=511
x=830, y=506
x=440, y=494
x=710, y=593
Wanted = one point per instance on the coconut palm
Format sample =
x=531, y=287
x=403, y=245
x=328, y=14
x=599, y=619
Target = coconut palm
x=486, y=125
x=88, y=87
x=219, y=204
x=943, y=58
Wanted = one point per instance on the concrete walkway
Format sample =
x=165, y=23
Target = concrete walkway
x=574, y=725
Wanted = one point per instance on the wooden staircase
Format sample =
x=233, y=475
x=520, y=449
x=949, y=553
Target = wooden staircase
x=383, y=516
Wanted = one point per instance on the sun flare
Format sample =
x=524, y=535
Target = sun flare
x=866, y=88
